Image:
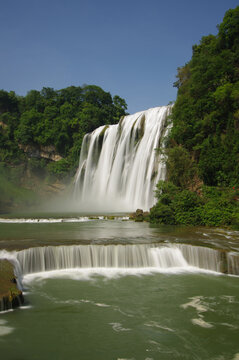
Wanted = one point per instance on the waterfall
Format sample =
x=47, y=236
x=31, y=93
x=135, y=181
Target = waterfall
x=119, y=164
x=233, y=263
x=203, y=257
x=131, y=259
x=152, y=256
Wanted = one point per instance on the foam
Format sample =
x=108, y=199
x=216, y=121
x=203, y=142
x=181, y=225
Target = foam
x=85, y=274
x=43, y=221
x=200, y=322
x=118, y=327
x=196, y=303
x=5, y=330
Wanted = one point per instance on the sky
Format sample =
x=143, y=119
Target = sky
x=131, y=48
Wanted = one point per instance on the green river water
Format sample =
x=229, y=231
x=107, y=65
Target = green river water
x=116, y=315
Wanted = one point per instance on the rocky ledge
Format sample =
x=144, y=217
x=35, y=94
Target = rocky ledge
x=10, y=295
x=46, y=152
x=139, y=215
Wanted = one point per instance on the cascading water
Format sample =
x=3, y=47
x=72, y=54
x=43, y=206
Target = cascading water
x=119, y=164
x=141, y=256
x=111, y=260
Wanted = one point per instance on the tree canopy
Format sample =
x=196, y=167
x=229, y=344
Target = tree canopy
x=202, y=155
x=58, y=118
x=206, y=113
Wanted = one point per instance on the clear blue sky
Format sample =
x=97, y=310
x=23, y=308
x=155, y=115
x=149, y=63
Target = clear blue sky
x=131, y=48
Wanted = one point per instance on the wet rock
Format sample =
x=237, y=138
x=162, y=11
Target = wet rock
x=10, y=295
x=139, y=215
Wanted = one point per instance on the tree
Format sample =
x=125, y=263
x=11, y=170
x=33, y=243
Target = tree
x=206, y=113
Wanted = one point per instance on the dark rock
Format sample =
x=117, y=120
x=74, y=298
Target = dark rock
x=10, y=295
x=139, y=215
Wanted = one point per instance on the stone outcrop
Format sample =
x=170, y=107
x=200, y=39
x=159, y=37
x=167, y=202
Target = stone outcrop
x=46, y=152
x=139, y=215
x=55, y=188
x=10, y=295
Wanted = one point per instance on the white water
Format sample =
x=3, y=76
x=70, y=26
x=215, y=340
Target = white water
x=108, y=259
x=43, y=221
x=233, y=263
x=119, y=164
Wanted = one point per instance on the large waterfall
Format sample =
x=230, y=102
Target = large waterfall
x=120, y=165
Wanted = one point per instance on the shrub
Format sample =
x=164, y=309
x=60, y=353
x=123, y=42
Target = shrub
x=162, y=214
x=58, y=168
x=214, y=207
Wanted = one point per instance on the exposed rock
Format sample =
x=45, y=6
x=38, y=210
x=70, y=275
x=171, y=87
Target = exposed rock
x=46, y=152
x=57, y=187
x=139, y=215
x=10, y=295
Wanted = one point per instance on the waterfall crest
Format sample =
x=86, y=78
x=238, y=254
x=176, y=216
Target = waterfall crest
x=148, y=256
x=119, y=164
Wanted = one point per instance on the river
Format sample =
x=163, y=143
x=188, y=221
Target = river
x=139, y=291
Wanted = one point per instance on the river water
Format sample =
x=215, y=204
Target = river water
x=159, y=302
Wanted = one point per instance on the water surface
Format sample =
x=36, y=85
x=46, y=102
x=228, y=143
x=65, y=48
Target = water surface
x=129, y=314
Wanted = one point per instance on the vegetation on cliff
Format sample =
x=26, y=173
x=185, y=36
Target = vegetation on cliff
x=203, y=147
x=41, y=133
x=213, y=206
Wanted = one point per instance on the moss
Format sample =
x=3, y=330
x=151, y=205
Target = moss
x=139, y=216
x=10, y=295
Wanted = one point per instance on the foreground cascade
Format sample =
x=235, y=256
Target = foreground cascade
x=152, y=257
x=120, y=165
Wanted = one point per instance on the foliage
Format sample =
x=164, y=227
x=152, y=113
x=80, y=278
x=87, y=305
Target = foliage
x=203, y=146
x=58, y=168
x=213, y=207
x=56, y=118
x=11, y=193
x=181, y=168
x=206, y=113
x=37, y=166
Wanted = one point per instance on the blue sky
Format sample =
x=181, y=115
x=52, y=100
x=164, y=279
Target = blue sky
x=130, y=48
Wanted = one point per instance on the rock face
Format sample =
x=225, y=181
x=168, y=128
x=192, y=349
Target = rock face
x=10, y=295
x=46, y=152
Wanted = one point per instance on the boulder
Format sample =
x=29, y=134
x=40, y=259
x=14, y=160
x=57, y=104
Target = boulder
x=10, y=295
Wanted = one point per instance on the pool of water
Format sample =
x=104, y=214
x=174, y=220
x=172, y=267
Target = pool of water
x=109, y=313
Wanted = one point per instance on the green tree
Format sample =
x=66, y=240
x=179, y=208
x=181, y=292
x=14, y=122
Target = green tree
x=27, y=130
x=206, y=113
